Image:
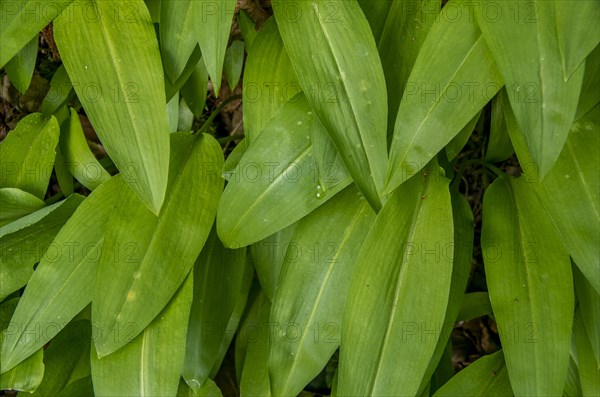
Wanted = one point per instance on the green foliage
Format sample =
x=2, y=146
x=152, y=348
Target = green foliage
x=391, y=149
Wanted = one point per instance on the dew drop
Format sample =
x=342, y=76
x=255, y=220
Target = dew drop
x=320, y=193
x=299, y=123
x=85, y=66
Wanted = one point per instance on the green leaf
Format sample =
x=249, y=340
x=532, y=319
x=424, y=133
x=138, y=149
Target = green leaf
x=150, y=364
x=268, y=256
x=390, y=327
x=173, y=113
x=80, y=387
x=526, y=50
x=195, y=88
x=277, y=176
x=79, y=158
x=404, y=28
x=575, y=174
x=457, y=143
x=28, y=153
x=120, y=84
x=63, y=176
x=577, y=31
x=218, y=278
x=572, y=386
x=453, y=78
x=28, y=375
x=147, y=257
x=246, y=25
x=313, y=286
x=213, y=34
x=24, y=241
x=589, y=307
x=234, y=60
x=590, y=88
x=255, y=335
x=269, y=80
x=499, y=147
x=530, y=285
x=62, y=284
x=474, y=305
x=462, y=218
x=67, y=359
x=486, y=377
x=344, y=84
x=22, y=20
x=15, y=203
x=377, y=13
x=59, y=93
x=589, y=368
x=172, y=88
x=20, y=68
x=179, y=29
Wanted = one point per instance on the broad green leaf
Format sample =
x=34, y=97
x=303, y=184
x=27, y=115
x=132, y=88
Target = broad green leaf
x=147, y=257
x=391, y=328
x=577, y=31
x=185, y=117
x=443, y=372
x=246, y=25
x=59, y=93
x=575, y=176
x=173, y=113
x=120, y=84
x=68, y=352
x=486, y=377
x=24, y=241
x=377, y=13
x=572, y=385
x=309, y=300
x=268, y=256
x=208, y=389
x=457, y=143
x=234, y=60
x=453, y=78
x=218, y=277
x=404, y=29
x=195, y=88
x=22, y=20
x=233, y=159
x=278, y=179
x=523, y=42
x=27, y=375
x=20, y=68
x=589, y=307
x=15, y=203
x=28, y=153
x=151, y=364
x=530, y=286
x=344, y=83
x=179, y=29
x=590, y=88
x=269, y=80
x=589, y=368
x=78, y=157
x=213, y=34
x=171, y=88
x=255, y=334
x=474, y=305
x=62, y=284
x=499, y=147
x=462, y=218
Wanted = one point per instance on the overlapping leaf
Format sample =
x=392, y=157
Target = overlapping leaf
x=314, y=283
x=344, y=83
x=63, y=282
x=390, y=326
x=28, y=154
x=526, y=47
x=151, y=364
x=147, y=257
x=530, y=285
x=454, y=76
x=116, y=64
x=22, y=20
x=277, y=178
x=20, y=68
x=24, y=241
x=15, y=203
